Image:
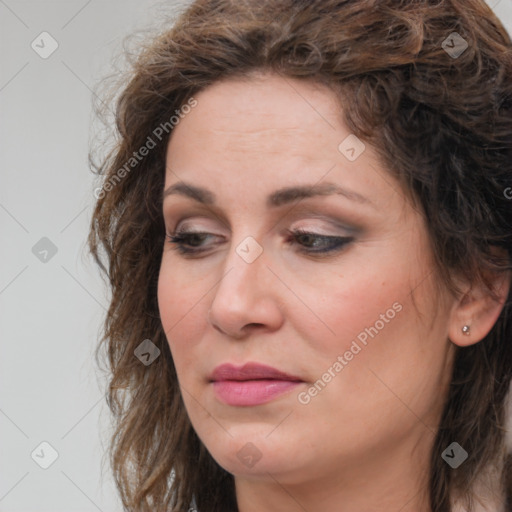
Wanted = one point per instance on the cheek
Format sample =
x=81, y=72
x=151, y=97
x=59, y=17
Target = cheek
x=387, y=363
x=182, y=312
x=349, y=304
x=376, y=316
x=368, y=298
x=380, y=325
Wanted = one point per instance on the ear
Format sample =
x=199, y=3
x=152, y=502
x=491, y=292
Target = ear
x=478, y=309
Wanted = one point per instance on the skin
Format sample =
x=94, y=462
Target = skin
x=364, y=441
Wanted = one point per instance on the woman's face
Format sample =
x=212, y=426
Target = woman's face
x=349, y=312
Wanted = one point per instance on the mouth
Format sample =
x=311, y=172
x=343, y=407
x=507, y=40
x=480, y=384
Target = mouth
x=251, y=384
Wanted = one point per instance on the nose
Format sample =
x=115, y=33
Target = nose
x=247, y=297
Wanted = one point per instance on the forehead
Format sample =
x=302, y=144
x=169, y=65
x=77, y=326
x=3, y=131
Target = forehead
x=268, y=115
x=249, y=138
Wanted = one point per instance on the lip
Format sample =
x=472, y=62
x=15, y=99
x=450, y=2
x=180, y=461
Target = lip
x=250, y=384
x=249, y=371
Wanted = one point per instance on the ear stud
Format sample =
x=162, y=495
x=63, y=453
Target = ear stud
x=465, y=330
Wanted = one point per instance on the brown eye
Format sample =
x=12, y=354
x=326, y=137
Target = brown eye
x=314, y=243
x=187, y=242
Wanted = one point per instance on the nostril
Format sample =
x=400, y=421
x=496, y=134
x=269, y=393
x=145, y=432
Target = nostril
x=254, y=325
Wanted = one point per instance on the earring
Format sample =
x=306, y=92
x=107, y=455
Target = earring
x=465, y=330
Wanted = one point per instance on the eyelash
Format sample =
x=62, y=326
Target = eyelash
x=182, y=238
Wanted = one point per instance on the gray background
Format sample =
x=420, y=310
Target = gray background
x=52, y=305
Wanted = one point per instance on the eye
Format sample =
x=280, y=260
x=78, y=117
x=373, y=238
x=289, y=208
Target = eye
x=314, y=243
x=191, y=242
x=188, y=242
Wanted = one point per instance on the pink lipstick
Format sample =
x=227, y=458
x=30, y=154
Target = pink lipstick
x=250, y=384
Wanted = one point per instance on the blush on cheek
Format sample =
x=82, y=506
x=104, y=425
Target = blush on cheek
x=361, y=312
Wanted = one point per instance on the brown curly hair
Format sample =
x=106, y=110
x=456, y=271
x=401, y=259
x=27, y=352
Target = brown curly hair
x=442, y=125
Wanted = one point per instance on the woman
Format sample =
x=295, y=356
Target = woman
x=307, y=232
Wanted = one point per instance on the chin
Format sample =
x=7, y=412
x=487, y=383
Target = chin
x=249, y=451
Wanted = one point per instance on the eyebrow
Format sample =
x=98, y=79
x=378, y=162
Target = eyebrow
x=278, y=198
